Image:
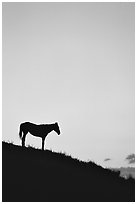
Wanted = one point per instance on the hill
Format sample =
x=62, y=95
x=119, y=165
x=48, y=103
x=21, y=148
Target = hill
x=126, y=172
x=30, y=174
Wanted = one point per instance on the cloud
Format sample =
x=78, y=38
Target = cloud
x=131, y=158
x=107, y=159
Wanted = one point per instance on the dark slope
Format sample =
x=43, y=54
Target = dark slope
x=32, y=175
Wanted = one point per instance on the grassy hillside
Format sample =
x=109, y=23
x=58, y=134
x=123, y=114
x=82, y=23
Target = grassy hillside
x=30, y=174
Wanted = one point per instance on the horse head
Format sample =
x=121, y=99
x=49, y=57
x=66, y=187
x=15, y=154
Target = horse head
x=56, y=129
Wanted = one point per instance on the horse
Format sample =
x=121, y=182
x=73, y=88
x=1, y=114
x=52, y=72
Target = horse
x=41, y=130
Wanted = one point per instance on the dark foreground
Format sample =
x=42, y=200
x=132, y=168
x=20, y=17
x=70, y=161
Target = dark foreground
x=32, y=175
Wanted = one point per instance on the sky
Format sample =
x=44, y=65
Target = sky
x=71, y=63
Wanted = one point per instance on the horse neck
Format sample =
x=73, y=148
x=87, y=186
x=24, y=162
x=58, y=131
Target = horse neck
x=52, y=127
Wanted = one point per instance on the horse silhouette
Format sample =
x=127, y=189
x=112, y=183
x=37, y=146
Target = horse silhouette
x=37, y=130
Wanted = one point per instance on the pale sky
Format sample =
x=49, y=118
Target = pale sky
x=73, y=63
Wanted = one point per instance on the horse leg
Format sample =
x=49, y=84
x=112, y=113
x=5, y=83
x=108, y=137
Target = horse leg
x=23, y=140
x=43, y=140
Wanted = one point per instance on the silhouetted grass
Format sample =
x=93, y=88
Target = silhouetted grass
x=30, y=174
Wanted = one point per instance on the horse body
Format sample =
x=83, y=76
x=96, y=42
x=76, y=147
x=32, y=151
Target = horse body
x=37, y=130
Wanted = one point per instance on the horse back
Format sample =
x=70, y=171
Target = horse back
x=36, y=130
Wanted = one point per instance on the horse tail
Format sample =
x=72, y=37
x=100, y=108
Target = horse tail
x=20, y=132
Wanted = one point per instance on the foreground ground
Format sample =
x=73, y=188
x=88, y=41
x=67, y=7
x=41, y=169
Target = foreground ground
x=30, y=174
